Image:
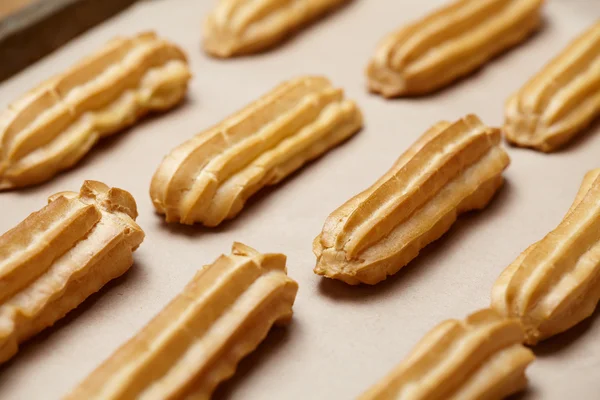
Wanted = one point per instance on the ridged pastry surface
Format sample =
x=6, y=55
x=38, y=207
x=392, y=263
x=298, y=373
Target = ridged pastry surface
x=238, y=27
x=195, y=342
x=451, y=169
x=209, y=178
x=555, y=283
x=58, y=256
x=53, y=126
x=561, y=100
x=482, y=357
x=450, y=43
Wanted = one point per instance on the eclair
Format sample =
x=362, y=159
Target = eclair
x=56, y=124
x=197, y=340
x=482, y=357
x=237, y=27
x=448, y=44
x=561, y=100
x=58, y=256
x=451, y=169
x=209, y=178
x=554, y=284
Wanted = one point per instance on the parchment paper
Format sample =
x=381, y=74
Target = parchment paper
x=342, y=339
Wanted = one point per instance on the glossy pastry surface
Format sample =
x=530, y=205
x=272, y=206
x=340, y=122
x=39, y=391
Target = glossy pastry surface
x=555, y=283
x=209, y=178
x=451, y=169
x=58, y=256
x=196, y=342
x=561, y=100
x=238, y=27
x=56, y=124
x=448, y=44
x=482, y=357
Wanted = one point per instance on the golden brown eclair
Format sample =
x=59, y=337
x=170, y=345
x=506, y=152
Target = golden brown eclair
x=57, y=257
x=53, y=126
x=561, y=100
x=237, y=27
x=448, y=44
x=451, y=169
x=482, y=357
x=196, y=342
x=554, y=284
x=209, y=178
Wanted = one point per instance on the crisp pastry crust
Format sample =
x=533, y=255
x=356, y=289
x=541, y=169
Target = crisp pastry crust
x=209, y=178
x=237, y=27
x=53, y=126
x=57, y=257
x=451, y=169
x=554, y=284
x=561, y=100
x=481, y=357
x=448, y=44
x=197, y=341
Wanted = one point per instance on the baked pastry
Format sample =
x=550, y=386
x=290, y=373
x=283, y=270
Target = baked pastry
x=209, y=178
x=554, y=284
x=197, y=341
x=561, y=100
x=451, y=169
x=57, y=257
x=482, y=357
x=448, y=44
x=53, y=126
x=237, y=27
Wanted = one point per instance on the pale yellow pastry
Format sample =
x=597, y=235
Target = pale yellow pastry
x=482, y=357
x=58, y=256
x=53, y=126
x=448, y=44
x=451, y=169
x=209, y=178
x=561, y=100
x=555, y=283
x=238, y=27
x=197, y=341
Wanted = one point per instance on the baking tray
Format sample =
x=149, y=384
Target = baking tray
x=342, y=339
x=30, y=29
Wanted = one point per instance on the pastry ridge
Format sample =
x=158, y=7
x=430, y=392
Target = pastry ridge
x=237, y=27
x=196, y=341
x=54, y=259
x=53, y=126
x=561, y=100
x=209, y=178
x=553, y=285
x=451, y=169
x=481, y=357
x=448, y=44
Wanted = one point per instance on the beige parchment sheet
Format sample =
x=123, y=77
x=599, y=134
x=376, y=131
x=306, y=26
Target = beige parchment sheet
x=342, y=339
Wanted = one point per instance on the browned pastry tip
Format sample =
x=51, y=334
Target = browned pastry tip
x=561, y=100
x=53, y=126
x=448, y=44
x=209, y=178
x=196, y=342
x=58, y=256
x=237, y=27
x=482, y=357
x=555, y=283
x=451, y=169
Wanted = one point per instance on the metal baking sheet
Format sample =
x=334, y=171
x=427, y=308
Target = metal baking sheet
x=342, y=339
x=30, y=29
